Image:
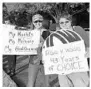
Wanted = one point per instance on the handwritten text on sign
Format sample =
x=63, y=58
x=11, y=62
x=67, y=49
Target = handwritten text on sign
x=70, y=58
x=20, y=42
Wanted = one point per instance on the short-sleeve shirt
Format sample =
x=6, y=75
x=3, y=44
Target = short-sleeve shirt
x=83, y=34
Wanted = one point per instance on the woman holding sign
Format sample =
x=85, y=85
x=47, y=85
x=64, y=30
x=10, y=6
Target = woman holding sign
x=34, y=60
x=78, y=79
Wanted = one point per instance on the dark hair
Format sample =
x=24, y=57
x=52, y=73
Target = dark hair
x=65, y=15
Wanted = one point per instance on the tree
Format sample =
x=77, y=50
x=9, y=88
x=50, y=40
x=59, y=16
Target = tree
x=54, y=9
x=5, y=13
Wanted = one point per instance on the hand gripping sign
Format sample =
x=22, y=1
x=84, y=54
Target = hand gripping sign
x=63, y=53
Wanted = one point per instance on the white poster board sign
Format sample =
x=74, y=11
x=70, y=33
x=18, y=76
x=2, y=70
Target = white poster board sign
x=65, y=59
x=20, y=42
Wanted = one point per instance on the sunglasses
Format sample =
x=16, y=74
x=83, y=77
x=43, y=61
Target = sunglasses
x=38, y=21
x=64, y=22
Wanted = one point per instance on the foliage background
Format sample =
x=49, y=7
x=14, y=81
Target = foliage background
x=16, y=11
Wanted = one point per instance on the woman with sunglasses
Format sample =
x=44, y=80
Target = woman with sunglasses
x=35, y=60
x=79, y=79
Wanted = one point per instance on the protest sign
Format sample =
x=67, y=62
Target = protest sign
x=64, y=58
x=18, y=42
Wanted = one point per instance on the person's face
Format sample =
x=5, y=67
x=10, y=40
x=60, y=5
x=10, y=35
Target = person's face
x=37, y=24
x=64, y=23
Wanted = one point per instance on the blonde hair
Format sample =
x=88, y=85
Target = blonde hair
x=64, y=15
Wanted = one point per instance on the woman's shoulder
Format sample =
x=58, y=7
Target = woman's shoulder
x=78, y=27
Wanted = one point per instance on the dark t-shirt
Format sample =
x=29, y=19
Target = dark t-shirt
x=45, y=34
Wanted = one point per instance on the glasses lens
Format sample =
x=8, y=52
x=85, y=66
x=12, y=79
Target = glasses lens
x=61, y=22
x=38, y=21
x=64, y=22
